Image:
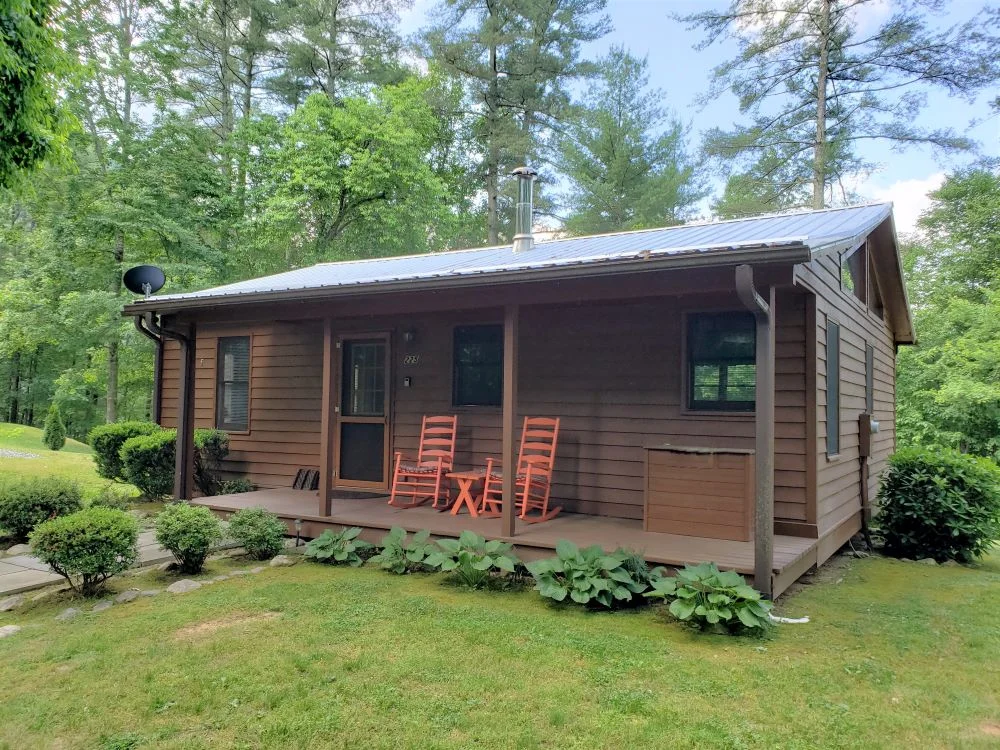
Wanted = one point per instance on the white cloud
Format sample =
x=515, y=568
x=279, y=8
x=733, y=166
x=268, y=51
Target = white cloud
x=909, y=199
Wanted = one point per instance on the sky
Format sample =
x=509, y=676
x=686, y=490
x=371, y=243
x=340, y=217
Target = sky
x=645, y=28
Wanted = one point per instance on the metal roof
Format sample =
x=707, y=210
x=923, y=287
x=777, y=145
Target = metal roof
x=755, y=239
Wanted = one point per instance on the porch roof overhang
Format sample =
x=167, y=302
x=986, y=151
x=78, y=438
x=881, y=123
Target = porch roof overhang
x=789, y=238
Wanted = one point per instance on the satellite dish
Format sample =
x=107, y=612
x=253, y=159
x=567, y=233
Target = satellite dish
x=144, y=280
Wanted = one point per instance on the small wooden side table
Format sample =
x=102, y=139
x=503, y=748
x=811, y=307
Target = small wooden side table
x=465, y=480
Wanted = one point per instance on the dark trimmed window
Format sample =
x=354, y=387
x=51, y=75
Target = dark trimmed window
x=478, y=363
x=832, y=388
x=853, y=272
x=722, y=367
x=232, y=393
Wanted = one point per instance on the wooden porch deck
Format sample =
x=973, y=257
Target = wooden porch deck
x=792, y=555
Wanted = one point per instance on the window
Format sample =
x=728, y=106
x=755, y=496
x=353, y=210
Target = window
x=853, y=272
x=874, y=294
x=232, y=395
x=832, y=388
x=478, y=363
x=722, y=369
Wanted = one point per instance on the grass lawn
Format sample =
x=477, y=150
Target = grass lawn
x=897, y=655
x=72, y=462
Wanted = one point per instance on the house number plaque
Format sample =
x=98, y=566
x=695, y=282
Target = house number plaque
x=409, y=360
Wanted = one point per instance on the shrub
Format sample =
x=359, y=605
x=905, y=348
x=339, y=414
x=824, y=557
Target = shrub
x=590, y=576
x=54, y=435
x=188, y=531
x=148, y=462
x=941, y=504
x=107, y=441
x=113, y=496
x=343, y=548
x=26, y=502
x=472, y=559
x=398, y=556
x=236, y=486
x=88, y=547
x=210, y=448
x=711, y=599
x=259, y=532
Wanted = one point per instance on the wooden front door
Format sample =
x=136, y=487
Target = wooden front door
x=362, y=450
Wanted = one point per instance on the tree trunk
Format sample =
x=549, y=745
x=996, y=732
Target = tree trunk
x=493, y=152
x=819, y=147
x=15, y=388
x=111, y=397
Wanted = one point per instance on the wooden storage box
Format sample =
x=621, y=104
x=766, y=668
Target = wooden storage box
x=706, y=492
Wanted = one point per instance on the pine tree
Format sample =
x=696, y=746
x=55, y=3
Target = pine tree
x=54, y=435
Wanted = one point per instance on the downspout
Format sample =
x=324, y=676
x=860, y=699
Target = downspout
x=184, y=454
x=149, y=327
x=762, y=310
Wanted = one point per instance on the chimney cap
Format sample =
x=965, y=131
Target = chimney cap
x=524, y=171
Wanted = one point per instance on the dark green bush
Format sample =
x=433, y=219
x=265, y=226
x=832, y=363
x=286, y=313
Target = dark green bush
x=188, y=531
x=148, y=463
x=710, y=599
x=54, y=434
x=107, y=441
x=210, y=448
x=236, y=486
x=590, y=576
x=88, y=547
x=941, y=504
x=260, y=532
x=401, y=556
x=26, y=502
x=342, y=548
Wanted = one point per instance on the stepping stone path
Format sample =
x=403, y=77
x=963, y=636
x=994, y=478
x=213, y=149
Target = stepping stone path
x=220, y=578
x=102, y=605
x=183, y=586
x=238, y=572
x=7, y=630
x=11, y=602
x=151, y=592
x=127, y=596
x=282, y=561
x=67, y=614
x=258, y=569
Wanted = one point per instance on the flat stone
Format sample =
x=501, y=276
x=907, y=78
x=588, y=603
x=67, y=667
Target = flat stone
x=7, y=630
x=241, y=572
x=951, y=564
x=928, y=561
x=258, y=569
x=183, y=586
x=282, y=561
x=151, y=592
x=67, y=614
x=220, y=578
x=102, y=605
x=11, y=602
x=19, y=549
x=127, y=596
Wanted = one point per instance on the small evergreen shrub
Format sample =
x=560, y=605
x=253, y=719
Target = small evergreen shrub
x=148, y=463
x=188, y=531
x=710, y=599
x=473, y=560
x=210, y=448
x=590, y=576
x=941, y=504
x=26, y=502
x=54, y=434
x=88, y=547
x=114, y=496
x=260, y=532
x=401, y=556
x=342, y=548
x=236, y=486
x=107, y=441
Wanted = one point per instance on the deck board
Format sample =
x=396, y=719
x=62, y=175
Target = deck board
x=583, y=530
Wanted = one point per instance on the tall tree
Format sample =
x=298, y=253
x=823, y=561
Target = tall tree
x=625, y=156
x=816, y=81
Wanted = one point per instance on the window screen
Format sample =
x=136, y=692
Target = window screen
x=478, y=362
x=233, y=384
x=722, y=370
x=832, y=388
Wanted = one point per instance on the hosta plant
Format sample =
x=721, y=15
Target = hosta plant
x=342, y=548
x=399, y=555
x=590, y=576
x=712, y=599
x=473, y=560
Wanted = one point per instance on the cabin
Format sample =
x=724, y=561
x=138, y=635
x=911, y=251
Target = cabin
x=724, y=390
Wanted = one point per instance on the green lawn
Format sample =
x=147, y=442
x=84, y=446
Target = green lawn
x=897, y=655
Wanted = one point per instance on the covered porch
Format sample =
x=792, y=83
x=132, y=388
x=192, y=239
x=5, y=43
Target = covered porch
x=792, y=555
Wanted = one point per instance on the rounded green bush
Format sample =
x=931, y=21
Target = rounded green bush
x=54, y=435
x=26, y=502
x=88, y=547
x=114, y=496
x=148, y=462
x=188, y=531
x=211, y=448
x=941, y=504
x=107, y=441
x=261, y=533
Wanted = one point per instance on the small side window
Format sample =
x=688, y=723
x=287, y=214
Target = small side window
x=854, y=272
x=722, y=365
x=478, y=366
x=232, y=397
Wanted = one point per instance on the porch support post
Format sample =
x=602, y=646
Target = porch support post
x=510, y=324
x=184, y=455
x=764, y=449
x=327, y=421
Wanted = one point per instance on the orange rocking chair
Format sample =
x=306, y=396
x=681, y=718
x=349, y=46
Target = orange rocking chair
x=425, y=478
x=533, y=481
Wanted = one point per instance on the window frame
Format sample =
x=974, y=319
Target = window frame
x=833, y=438
x=861, y=251
x=455, y=366
x=687, y=373
x=219, y=383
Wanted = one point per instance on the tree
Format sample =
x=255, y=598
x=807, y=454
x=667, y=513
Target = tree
x=817, y=82
x=28, y=64
x=54, y=434
x=625, y=156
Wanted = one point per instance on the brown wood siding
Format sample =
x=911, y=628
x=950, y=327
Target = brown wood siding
x=612, y=371
x=839, y=477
